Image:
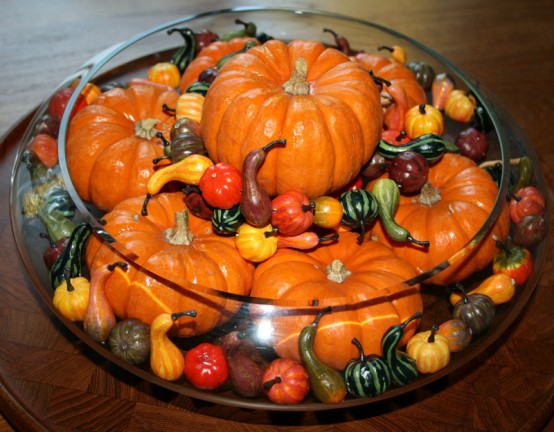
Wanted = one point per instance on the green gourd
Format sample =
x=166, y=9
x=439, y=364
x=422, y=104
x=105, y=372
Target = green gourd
x=71, y=257
x=227, y=221
x=431, y=146
x=185, y=54
x=367, y=376
x=387, y=194
x=402, y=367
x=327, y=384
x=524, y=174
x=360, y=209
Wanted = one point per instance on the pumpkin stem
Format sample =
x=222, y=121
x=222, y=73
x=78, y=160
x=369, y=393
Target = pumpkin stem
x=176, y=315
x=297, y=84
x=417, y=315
x=146, y=128
x=429, y=195
x=434, y=330
x=268, y=384
x=179, y=234
x=337, y=271
x=67, y=277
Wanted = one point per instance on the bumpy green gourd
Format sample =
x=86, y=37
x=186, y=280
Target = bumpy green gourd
x=360, y=208
x=227, y=221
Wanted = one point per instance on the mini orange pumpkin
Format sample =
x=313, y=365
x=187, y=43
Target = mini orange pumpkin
x=111, y=143
x=192, y=257
x=363, y=284
x=449, y=212
x=404, y=89
x=325, y=106
x=209, y=57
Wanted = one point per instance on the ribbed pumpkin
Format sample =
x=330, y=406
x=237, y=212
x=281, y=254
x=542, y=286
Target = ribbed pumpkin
x=209, y=260
x=112, y=141
x=449, y=214
x=404, y=89
x=325, y=106
x=209, y=57
x=367, y=279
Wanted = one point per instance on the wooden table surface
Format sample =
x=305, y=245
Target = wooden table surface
x=51, y=381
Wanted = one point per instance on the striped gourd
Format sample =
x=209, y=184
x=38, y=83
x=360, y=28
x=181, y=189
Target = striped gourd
x=60, y=200
x=402, y=367
x=360, y=208
x=367, y=376
x=227, y=221
x=431, y=146
x=71, y=257
x=199, y=87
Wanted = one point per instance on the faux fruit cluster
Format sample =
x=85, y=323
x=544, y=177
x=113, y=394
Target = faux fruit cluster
x=319, y=178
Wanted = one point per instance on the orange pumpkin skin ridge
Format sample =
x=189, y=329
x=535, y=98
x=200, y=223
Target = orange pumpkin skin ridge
x=330, y=132
x=468, y=195
x=106, y=161
x=210, y=260
x=375, y=287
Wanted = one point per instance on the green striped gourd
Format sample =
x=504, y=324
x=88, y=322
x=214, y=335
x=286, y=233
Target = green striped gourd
x=367, y=376
x=431, y=146
x=402, y=367
x=227, y=221
x=360, y=208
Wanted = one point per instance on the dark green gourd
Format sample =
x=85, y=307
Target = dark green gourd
x=367, y=376
x=360, y=208
x=402, y=367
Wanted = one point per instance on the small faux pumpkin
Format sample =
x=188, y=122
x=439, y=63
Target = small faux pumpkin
x=293, y=91
x=422, y=120
x=430, y=350
x=184, y=254
x=367, y=276
x=111, y=143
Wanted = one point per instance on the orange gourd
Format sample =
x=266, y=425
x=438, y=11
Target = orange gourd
x=422, y=120
x=209, y=57
x=186, y=259
x=111, y=143
x=325, y=106
x=449, y=212
x=404, y=89
x=165, y=73
x=363, y=283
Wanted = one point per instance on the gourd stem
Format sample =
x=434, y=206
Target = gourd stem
x=157, y=160
x=378, y=80
x=417, y=315
x=318, y=317
x=143, y=210
x=434, y=330
x=120, y=264
x=47, y=237
x=424, y=243
x=67, y=277
x=176, y=315
x=272, y=144
x=271, y=233
x=384, y=47
x=358, y=344
x=308, y=207
x=180, y=234
x=167, y=108
x=400, y=136
x=239, y=21
x=422, y=109
x=501, y=245
x=268, y=384
x=331, y=237
x=490, y=163
x=165, y=141
x=297, y=84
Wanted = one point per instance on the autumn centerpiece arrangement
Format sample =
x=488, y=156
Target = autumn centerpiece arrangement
x=310, y=187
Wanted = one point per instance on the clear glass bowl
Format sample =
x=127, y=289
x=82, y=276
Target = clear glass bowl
x=133, y=58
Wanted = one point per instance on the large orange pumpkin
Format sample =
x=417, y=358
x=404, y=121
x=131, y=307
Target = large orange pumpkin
x=209, y=57
x=325, y=106
x=449, y=215
x=404, y=89
x=363, y=284
x=206, y=260
x=112, y=141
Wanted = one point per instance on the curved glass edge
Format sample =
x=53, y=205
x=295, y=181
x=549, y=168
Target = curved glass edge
x=93, y=66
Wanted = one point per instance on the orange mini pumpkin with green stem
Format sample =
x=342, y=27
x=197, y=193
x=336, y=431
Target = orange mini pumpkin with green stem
x=183, y=251
x=111, y=143
x=325, y=106
x=363, y=283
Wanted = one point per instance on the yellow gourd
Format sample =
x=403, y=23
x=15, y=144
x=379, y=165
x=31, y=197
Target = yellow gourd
x=71, y=297
x=166, y=359
x=430, y=350
x=499, y=287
